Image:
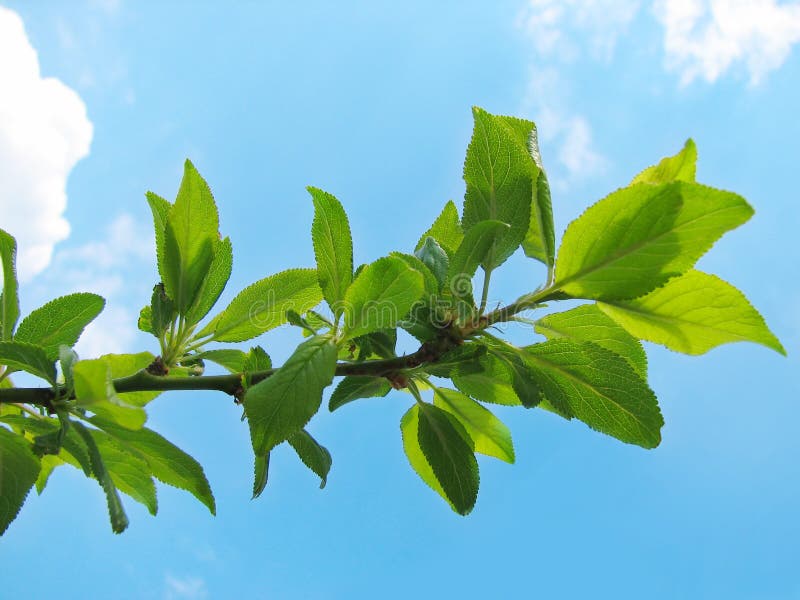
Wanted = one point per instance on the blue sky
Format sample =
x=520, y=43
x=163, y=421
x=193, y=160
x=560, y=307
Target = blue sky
x=371, y=101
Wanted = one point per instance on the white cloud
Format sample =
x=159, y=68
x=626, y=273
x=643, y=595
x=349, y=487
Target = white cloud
x=567, y=29
x=105, y=267
x=707, y=38
x=44, y=132
x=191, y=588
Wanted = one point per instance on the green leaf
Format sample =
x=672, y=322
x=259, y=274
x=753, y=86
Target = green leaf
x=588, y=323
x=444, y=442
x=95, y=391
x=145, y=321
x=262, y=306
x=474, y=249
x=446, y=230
x=48, y=462
x=493, y=383
x=381, y=295
x=73, y=450
x=214, y=282
x=523, y=379
x=60, y=321
x=122, y=365
x=129, y=473
x=409, y=428
x=598, y=387
x=693, y=313
x=355, y=387
x=315, y=456
x=261, y=470
x=230, y=358
x=190, y=237
x=333, y=248
x=282, y=404
x=160, y=209
x=463, y=359
x=162, y=311
x=257, y=360
x=22, y=356
x=19, y=469
x=637, y=238
x=167, y=463
x=435, y=258
x=116, y=512
x=67, y=357
x=489, y=434
x=539, y=242
x=9, y=298
x=497, y=172
x=430, y=282
x=681, y=167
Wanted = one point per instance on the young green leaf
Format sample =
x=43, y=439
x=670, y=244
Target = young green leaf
x=381, y=295
x=539, y=242
x=22, y=356
x=162, y=311
x=129, y=473
x=261, y=473
x=449, y=451
x=493, y=383
x=497, y=172
x=73, y=450
x=19, y=469
x=523, y=379
x=116, y=512
x=598, y=387
x=476, y=246
x=333, y=248
x=60, y=321
x=315, y=456
x=446, y=230
x=95, y=391
x=431, y=283
x=123, y=365
x=409, y=429
x=190, y=237
x=435, y=258
x=588, y=323
x=353, y=388
x=262, y=306
x=637, y=238
x=693, y=313
x=214, y=282
x=257, y=360
x=160, y=208
x=48, y=462
x=168, y=463
x=282, y=404
x=490, y=435
x=231, y=359
x=9, y=299
x=145, y=321
x=680, y=167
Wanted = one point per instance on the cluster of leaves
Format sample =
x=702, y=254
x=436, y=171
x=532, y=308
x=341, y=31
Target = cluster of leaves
x=630, y=257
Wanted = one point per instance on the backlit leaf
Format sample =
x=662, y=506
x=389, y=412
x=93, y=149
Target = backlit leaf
x=693, y=313
x=282, y=404
x=262, y=306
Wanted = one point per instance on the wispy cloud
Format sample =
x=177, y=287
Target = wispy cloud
x=107, y=266
x=184, y=588
x=562, y=34
x=44, y=132
x=705, y=39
